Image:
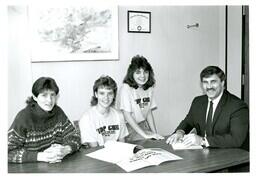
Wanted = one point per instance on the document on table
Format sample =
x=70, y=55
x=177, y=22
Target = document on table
x=125, y=155
x=182, y=146
x=147, y=157
x=114, y=152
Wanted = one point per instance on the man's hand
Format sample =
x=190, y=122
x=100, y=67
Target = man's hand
x=192, y=139
x=174, y=138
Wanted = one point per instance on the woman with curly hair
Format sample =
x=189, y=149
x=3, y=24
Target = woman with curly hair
x=137, y=100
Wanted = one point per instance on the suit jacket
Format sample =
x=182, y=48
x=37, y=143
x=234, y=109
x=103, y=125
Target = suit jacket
x=230, y=121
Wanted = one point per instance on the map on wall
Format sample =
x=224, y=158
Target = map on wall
x=73, y=33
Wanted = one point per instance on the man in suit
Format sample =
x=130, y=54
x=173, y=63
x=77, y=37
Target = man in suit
x=222, y=124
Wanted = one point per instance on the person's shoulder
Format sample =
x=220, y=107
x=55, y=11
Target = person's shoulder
x=126, y=86
x=27, y=111
x=86, y=115
x=200, y=98
x=23, y=116
x=232, y=96
x=151, y=89
x=58, y=109
x=234, y=100
x=199, y=101
x=117, y=111
x=59, y=112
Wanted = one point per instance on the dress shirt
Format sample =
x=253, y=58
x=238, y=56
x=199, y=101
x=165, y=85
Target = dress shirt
x=215, y=104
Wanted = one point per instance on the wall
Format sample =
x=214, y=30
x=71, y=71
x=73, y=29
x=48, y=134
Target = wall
x=234, y=49
x=176, y=53
x=19, y=66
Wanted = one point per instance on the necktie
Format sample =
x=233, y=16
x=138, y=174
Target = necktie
x=209, y=120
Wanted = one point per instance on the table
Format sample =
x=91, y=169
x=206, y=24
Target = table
x=205, y=160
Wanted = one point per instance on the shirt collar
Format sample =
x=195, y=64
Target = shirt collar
x=216, y=100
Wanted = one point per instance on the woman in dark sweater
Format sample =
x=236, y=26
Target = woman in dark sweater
x=42, y=131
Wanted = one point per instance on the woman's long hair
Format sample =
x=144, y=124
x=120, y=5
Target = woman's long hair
x=138, y=62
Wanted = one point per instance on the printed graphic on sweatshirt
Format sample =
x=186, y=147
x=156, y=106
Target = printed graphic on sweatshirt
x=106, y=131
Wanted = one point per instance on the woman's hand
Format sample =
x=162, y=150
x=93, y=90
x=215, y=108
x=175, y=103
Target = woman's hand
x=55, y=153
x=154, y=136
x=49, y=157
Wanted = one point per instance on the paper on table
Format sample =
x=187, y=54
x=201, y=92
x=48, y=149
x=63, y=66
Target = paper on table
x=114, y=152
x=125, y=155
x=181, y=146
x=147, y=157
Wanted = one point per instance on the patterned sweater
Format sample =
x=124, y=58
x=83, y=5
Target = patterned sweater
x=34, y=130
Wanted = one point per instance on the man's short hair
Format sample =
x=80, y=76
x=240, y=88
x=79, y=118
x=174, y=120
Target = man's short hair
x=210, y=70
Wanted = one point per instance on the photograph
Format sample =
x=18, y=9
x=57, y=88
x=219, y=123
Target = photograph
x=127, y=88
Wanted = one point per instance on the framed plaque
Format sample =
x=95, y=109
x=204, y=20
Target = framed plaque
x=139, y=21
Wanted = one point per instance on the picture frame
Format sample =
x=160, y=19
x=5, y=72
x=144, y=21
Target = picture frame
x=139, y=21
x=73, y=33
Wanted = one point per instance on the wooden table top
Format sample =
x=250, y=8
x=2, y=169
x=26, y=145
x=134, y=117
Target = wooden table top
x=205, y=160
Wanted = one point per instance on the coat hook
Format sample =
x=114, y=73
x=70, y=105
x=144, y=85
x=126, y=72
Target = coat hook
x=195, y=25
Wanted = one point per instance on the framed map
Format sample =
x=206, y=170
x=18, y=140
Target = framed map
x=73, y=33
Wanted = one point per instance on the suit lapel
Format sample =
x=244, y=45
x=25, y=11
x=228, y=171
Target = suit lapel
x=219, y=107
